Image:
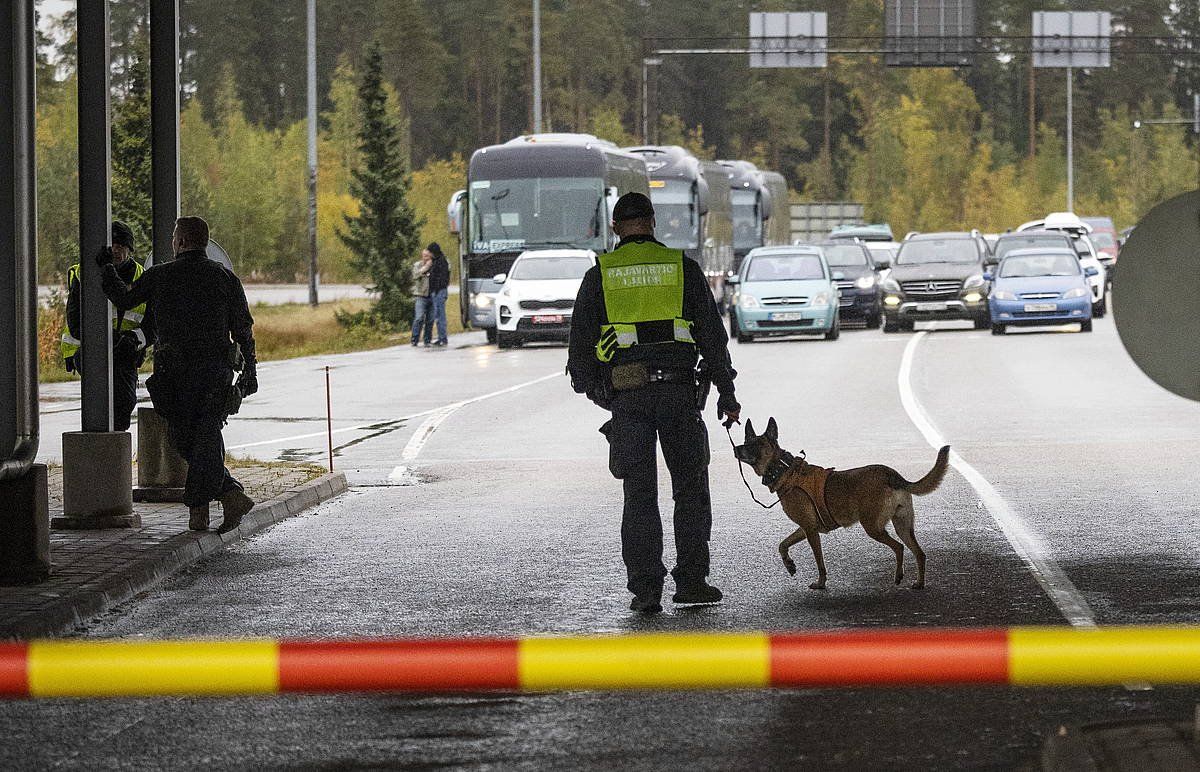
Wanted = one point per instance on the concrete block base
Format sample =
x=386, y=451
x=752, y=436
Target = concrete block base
x=25, y=528
x=97, y=481
x=161, y=471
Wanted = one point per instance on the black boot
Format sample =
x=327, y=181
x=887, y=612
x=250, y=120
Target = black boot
x=647, y=603
x=697, y=592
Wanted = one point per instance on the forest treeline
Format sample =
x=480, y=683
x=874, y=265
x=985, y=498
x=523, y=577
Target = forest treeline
x=927, y=148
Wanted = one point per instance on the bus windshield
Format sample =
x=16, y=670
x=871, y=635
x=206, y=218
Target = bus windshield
x=675, y=217
x=747, y=221
x=546, y=211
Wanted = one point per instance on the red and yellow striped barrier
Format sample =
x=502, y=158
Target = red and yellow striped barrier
x=1049, y=656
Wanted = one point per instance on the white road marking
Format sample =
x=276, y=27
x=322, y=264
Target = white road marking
x=359, y=427
x=1025, y=541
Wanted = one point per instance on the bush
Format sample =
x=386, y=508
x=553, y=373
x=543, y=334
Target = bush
x=52, y=319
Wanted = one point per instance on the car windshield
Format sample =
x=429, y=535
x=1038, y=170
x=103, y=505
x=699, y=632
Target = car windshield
x=1009, y=243
x=938, y=251
x=1024, y=266
x=1103, y=239
x=844, y=255
x=543, y=268
x=675, y=220
x=550, y=211
x=785, y=268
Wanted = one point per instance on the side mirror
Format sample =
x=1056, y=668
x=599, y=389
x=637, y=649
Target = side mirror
x=500, y=278
x=988, y=276
x=454, y=211
x=1090, y=271
x=882, y=264
x=838, y=275
x=734, y=279
x=703, y=197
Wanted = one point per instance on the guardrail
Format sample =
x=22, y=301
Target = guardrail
x=1023, y=656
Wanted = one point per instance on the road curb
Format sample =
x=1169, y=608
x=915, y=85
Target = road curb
x=164, y=561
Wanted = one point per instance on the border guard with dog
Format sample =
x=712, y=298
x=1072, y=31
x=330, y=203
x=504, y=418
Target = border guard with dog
x=644, y=318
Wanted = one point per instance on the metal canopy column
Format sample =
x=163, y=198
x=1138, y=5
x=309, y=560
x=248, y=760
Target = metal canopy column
x=164, y=122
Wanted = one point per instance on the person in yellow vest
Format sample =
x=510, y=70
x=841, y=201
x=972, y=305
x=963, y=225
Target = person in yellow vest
x=132, y=330
x=643, y=319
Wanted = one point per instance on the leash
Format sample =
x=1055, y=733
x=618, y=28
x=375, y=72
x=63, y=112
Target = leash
x=742, y=472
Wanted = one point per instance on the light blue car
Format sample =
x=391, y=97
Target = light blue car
x=784, y=291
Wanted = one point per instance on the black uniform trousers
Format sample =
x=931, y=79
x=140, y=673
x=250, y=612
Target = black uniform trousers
x=190, y=395
x=668, y=412
x=124, y=394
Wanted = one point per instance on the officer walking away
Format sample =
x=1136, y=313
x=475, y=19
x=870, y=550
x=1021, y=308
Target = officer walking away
x=642, y=320
x=132, y=330
x=205, y=333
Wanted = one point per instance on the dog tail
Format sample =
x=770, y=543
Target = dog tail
x=930, y=482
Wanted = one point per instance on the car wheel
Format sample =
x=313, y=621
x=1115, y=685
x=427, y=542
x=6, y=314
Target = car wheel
x=890, y=326
x=998, y=329
x=505, y=340
x=734, y=331
x=835, y=331
x=874, y=321
x=491, y=334
x=982, y=324
x=1101, y=308
x=908, y=326
x=1085, y=326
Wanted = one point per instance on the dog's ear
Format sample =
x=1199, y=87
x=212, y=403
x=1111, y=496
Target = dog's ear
x=772, y=430
x=750, y=430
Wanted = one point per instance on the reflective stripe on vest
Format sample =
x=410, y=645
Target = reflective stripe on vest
x=130, y=320
x=643, y=290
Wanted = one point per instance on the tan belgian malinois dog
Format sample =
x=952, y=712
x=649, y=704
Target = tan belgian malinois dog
x=820, y=500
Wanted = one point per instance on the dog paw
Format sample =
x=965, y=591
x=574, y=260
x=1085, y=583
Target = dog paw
x=818, y=585
x=791, y=567
x=917, y=585
x=899, y=579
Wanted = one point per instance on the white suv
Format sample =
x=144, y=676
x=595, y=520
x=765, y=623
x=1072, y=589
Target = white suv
x=1078, y=230
x=537, y=295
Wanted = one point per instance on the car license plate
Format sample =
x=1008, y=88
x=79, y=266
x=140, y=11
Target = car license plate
x=931, y=306
x=548, y=319
x=1033, y=308
x=787, y=317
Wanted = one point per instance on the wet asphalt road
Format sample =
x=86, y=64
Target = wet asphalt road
x=504, y=521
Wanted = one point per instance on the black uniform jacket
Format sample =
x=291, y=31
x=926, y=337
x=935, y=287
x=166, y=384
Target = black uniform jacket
x=74, y=302
x=197, y=305
x=712, y=342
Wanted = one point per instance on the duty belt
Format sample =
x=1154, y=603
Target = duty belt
x=636, y=375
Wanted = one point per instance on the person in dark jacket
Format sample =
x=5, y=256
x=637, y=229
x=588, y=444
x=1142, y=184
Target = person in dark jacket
x=203, y=321
x=642, y=319
x=439, y=287
x=133, y=330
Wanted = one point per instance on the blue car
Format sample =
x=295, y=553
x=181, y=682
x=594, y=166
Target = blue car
x=784, y=291
x=1038, y=287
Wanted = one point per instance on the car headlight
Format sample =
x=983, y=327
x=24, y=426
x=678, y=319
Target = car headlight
x=1078, y=292
x=973, y=297
x=891, y=285
x=483, y=301
x=974, y=281
x=1003, y=295
x=820, y=300
x=747, y=301
x=865, y=282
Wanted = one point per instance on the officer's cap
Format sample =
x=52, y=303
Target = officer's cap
x=632, y=206
x=122, y=234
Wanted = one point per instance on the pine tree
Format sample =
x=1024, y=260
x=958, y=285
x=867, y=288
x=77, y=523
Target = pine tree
x=131, y=180
x=385, y=235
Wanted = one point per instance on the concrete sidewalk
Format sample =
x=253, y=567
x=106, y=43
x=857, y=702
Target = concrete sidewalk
x=96, y=570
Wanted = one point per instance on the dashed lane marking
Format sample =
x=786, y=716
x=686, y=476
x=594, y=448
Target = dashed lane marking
x=1025, y=541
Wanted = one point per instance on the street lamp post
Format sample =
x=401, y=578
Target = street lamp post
x=312, y=152
x=647, y=63
x=537, y=67
x=1195, y=124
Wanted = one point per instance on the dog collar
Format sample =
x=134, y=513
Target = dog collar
x=778, y=469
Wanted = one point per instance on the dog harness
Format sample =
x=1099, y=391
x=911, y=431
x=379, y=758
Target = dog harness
x=809, y=478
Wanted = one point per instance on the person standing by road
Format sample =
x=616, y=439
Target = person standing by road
x=204, y=332
x=422, y=314
x=641, y=320
x=132, y=330
x=439, y=287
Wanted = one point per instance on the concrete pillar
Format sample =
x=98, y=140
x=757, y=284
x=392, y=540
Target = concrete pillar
x=98, y=492
x=161, y=471
x=24, y=528
x=164, y=124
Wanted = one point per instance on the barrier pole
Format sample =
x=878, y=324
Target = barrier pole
x=328, y=418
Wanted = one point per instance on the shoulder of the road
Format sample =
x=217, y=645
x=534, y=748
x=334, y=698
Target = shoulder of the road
x=117, y=571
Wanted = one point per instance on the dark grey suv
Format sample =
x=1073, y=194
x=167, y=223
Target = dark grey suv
x=937, y=276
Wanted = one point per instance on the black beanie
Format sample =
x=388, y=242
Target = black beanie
x=435, y=249
x=121, y=234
